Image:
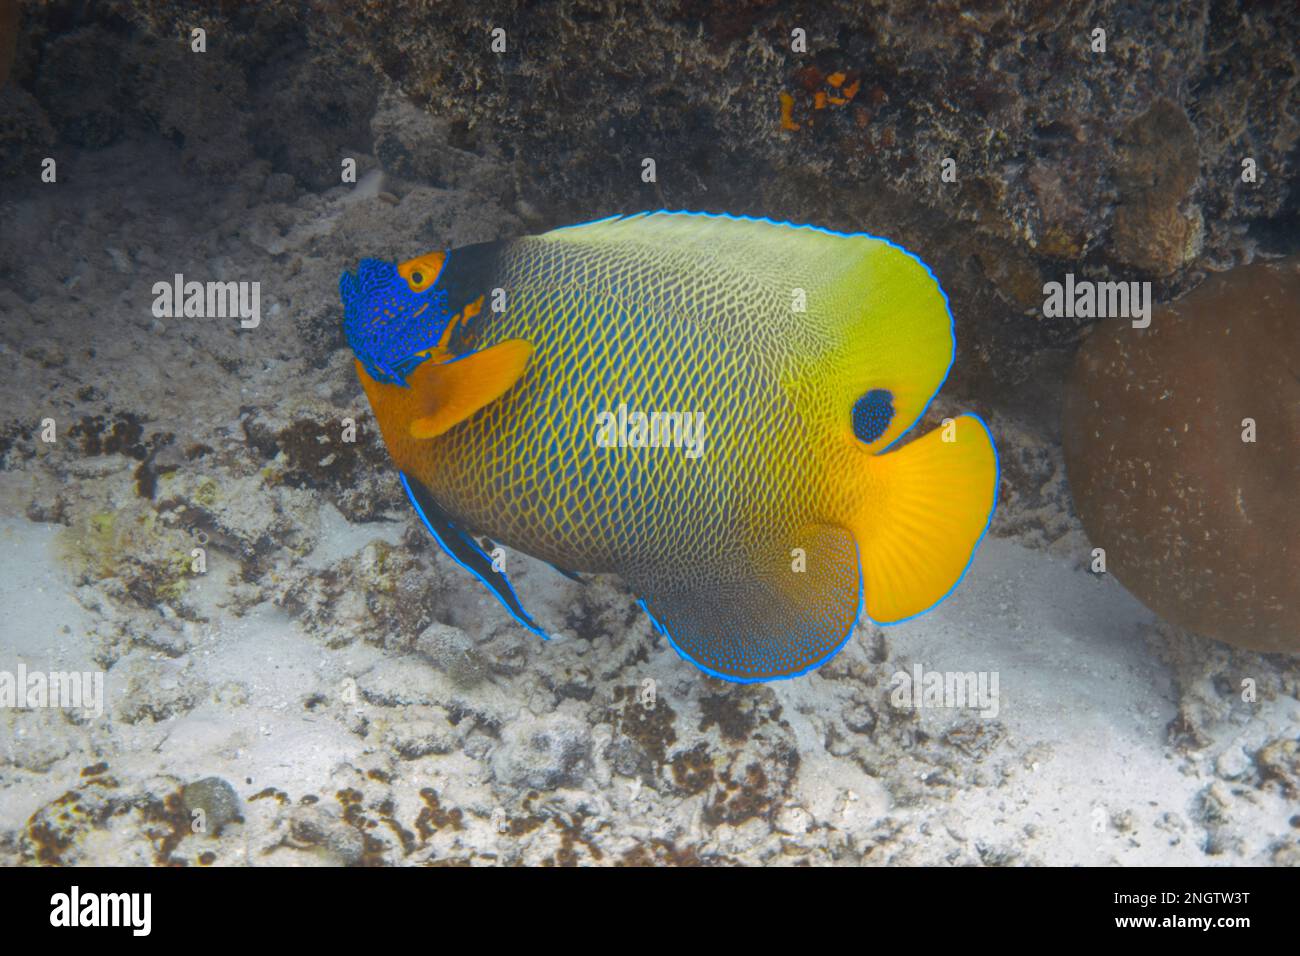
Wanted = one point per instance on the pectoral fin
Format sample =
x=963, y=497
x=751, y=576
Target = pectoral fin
x=451, y=392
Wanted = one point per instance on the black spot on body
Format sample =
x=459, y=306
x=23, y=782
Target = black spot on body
x=872, y=414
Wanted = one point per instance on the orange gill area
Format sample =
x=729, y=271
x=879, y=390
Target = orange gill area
x=396, y=408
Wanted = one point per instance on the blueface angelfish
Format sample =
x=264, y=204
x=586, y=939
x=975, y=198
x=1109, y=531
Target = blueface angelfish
x=809, y=353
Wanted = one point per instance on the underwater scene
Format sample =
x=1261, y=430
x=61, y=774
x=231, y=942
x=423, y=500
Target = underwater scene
x=682, y=433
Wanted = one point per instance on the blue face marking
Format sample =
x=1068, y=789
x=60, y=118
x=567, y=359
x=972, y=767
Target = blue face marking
x=381, y=323
x=872, y=414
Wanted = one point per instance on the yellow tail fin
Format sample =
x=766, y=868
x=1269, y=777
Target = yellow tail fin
x=930, y=504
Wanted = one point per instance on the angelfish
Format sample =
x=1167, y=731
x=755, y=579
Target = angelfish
x=810, y=352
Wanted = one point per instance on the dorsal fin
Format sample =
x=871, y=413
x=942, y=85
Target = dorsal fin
x=858, y=310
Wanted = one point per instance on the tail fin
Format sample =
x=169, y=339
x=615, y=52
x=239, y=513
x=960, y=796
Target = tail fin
x=931, y=503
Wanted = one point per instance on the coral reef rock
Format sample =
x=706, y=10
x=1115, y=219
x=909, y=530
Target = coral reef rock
x=1124, y=157
x=1182, y=445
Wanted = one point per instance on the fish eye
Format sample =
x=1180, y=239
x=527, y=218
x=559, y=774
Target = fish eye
x=422, y=272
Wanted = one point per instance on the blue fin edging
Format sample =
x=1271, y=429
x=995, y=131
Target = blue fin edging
x=947, y=305
x=526, y=621
x=997, y=481
x=732, y=678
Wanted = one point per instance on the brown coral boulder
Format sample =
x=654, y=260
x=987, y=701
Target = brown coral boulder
x=1199, y=522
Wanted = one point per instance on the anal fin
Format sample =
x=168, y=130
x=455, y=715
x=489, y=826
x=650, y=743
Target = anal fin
x=784, y=609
